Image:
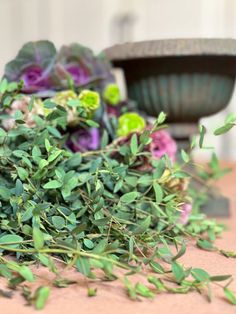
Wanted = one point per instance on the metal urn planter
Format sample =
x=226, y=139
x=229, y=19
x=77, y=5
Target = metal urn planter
x=188, y=78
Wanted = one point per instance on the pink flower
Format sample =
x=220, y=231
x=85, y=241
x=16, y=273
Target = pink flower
x=162, y=143
x=185, y=213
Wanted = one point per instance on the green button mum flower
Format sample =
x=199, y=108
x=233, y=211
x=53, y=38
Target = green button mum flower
x=130, y=122
x=111, y=94
x=89, y=100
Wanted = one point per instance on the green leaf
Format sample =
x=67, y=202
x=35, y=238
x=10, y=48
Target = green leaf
x=160, y=168
x=158, y=192
x=22, y=173
x=157, y=283
x=130, y=289
x=145, y=180
x=43, y=163
x=47, y=145
x=54, y=184
x=19, y=189
x=49, y=104
x=92, y=292
x=200, y=275
x=75, y=160
x=144, y=138
x=230, y=118
x=178, y=272
x=26, y=273
x=185, y=156
x=118, y=186
x=3, y=86
x=3, y=133
x=58, y=222
x=38, y=238
x=12, y=87
x=41, y=297
x=92, y=123
x=214, y=163
x=13, y=266
x=134, y=144
x=100, y=247
x=130, y=180
x=73, y=103
x=143, y=291
x=5, y=271
x=36, y=153
x=181, y=174
x=143, y=226
x=104, y=139
x=230, y=296
x=157, y=267
x=224, y=129
x=131, y=248
x=202, y=131
x=54, y=131
x=180, y=253
x=129, y=197
x=88, y=243
x=54, y=155
x=47, y=261
x=161, y=118
x=5, y=193
x=83, y=265
x=11, y=241
x=205, y=245
x=228, y=253
x=220, y=277
x=193, y=142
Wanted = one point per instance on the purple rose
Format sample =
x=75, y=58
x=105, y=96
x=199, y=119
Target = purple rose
x=162, y=143
x=79, y=74
x=84, y=140
x=34, y=78
x=185, y=213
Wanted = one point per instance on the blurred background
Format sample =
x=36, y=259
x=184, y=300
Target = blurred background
x=102, y=23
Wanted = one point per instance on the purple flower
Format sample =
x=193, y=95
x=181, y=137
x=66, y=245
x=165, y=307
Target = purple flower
x=84, y=140
x=79, y=74
x=34, y=78
x=113, y=110
x=162, y=143
x=185, y=213
x=83, y=66
x=33, y=64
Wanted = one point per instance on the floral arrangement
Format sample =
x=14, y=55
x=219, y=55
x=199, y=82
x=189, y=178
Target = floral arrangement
x=89, y=181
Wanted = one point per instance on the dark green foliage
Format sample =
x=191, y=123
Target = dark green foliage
x=93, y=210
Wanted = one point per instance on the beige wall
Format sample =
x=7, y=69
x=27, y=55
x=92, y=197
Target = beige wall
x=92, y=22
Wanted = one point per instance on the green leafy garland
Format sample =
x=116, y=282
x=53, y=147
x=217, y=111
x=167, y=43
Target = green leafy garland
x=96, y=210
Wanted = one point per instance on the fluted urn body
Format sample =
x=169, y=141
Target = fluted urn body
x=188, y=79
